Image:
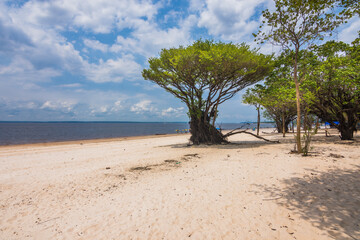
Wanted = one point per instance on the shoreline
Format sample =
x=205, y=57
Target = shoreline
x=93, y=140
x=52, y=132
x=118, y=139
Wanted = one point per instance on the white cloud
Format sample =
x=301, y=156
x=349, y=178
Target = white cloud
x=230, y=19
x=142, y=107
x=113, y=70
x=98, y=16
x=32, y=33
x=118, y=105
x=147, y=39
x=350, y=30
x=95, y=44
x=42, y=64
x=71, y=85
x=22, y=70
x=174, y=112
x=58, y=105
x=43, y=48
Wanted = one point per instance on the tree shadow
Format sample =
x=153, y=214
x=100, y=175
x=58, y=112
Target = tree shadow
x=322, y=138
x=231, y=145
x=329, y=200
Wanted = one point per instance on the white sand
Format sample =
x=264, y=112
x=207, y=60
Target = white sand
x=249, y=190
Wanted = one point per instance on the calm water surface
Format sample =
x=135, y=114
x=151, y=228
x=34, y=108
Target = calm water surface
x=39, y=132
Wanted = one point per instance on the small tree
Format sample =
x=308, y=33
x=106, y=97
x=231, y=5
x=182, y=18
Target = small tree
x=203, y=76
x=294, y=25
x=253, y=97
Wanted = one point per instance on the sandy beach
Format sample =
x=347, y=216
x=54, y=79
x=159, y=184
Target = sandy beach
x=159, y=187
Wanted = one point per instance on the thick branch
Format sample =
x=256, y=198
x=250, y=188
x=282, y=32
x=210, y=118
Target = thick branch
x=245, y=131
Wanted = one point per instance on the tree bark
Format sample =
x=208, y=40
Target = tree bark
x=202, y=132
x=298, y=107
x=283, y=124
x=346, y=133
x=258, y=120
x=317, y=125
x=233, y=132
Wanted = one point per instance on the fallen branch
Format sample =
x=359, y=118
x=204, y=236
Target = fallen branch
x=230, y=133
x=270, y=199
x=245, y=131
x=48, y=220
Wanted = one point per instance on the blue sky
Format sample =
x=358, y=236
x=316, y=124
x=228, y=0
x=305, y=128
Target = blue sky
x=75, y=60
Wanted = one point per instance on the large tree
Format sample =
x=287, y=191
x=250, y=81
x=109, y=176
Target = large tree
x=335, y=84
x=203, y=76
x=294, y=25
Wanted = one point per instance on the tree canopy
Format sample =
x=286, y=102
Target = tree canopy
x=334, y=81
x=203, y=76
x=276, y=95
x=296, y=24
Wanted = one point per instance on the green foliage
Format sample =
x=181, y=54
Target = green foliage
x=253, y=96
x=207, y=73
x=295, y=23
x=334, y=82
x=203, y=76
x=277, y=94
x=350, y=7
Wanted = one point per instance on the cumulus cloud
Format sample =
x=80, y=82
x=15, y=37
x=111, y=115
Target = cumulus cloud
x=142, y=107
x=33, y=33
x=147, y=38
x=96, y=45
x=230, y=19
x=71, y=85
x=98, y=16
x=12, y=37
x=118, y=106
x=75, y=58
x=113, y=70
x=22, y=70
x=175, y=112
x=58, y=105
x=351, y=31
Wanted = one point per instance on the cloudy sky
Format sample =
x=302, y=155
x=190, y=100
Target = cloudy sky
x=79, y=60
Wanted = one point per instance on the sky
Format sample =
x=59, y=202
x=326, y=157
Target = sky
x=76, y=60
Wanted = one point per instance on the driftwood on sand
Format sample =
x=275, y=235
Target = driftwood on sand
x=233, y=132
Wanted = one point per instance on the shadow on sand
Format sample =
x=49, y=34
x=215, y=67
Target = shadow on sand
x=329, y=200
x=231, y=145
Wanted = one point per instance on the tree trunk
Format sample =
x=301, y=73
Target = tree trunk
x=347, y=126
x=202, y=132
x=283, y=124
x=298, y=109
x=346, y=133
x=258, y=121
x=278, y=126
x=305, y=121
x=326, y=132
x=317, y=125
